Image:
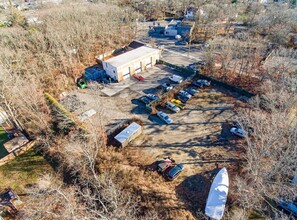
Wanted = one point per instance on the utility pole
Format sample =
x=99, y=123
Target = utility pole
x=190, y=38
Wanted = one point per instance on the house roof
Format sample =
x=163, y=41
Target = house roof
x=129, y=56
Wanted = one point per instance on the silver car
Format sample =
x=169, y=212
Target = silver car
x=176, y=78
x=184, y=93
x=164, y=117
x=172, y=107
x=239, y=132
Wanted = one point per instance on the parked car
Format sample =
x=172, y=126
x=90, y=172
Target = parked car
x=191, y=91
x=166, y=87
x=164, y=165
x=200, y=63
x=194, y=67
x=181, y=43
x=203, y=82
x=178, y=103
x=290, y=207
x=184, y=99
x=175, y=171
x=237, y=125
x=144, y=100
x=172, y=107
x=239, y=132
x=152, y=97
x=164, y=117
x=184, y=93
x=195, y=83
x=138, y=77
x=176, y=78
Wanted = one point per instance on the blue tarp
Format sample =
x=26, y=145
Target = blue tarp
x=94, y=73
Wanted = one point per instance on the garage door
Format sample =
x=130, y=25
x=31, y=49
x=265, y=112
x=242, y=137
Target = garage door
x=126, y=73
x=148, y=62
x=137, y=67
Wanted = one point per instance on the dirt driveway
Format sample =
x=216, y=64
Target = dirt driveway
x=199, y=138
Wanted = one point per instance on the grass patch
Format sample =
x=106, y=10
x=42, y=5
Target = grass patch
x=23, y=171
x=3, y=138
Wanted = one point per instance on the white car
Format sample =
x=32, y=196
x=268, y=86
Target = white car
x=164, y=117
x=172, y=107
x=239, y=132
x=203, y=82
x=185, y=94
x=176, y=79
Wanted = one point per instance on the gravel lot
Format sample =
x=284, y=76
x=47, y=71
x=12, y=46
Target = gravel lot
x=198, y=138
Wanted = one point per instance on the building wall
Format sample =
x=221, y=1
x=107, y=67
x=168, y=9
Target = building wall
x=110, y=70
x=119, y=72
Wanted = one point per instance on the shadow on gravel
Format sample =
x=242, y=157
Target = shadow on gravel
x=193, y=191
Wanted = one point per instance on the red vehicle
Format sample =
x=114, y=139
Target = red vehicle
x=138, y=77
x=165, y=164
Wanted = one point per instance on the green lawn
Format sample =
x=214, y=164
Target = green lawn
x=23, y=171
x=3, y=139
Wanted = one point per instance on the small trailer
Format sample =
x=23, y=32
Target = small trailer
x=128, y=134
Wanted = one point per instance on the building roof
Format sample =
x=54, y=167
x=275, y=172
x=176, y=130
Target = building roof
x=127, y=132
x=15, y=143
x=135, y=54
x=136, y=44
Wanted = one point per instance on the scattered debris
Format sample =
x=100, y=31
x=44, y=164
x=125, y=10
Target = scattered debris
x=72, y=103
x=87, y=114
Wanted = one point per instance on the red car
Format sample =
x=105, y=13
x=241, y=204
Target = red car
x=138, y=77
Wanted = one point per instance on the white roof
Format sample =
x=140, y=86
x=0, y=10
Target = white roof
x=130, y=56
x=217, y=196
x=127, y=132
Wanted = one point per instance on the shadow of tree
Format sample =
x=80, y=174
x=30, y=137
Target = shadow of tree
x=193, y=192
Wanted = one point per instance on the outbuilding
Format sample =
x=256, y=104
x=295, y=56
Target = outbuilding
x=134, y=61
x=15, y=143
x=128, y=134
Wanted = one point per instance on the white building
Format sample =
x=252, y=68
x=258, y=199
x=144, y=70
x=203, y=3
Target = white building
x=134, y=61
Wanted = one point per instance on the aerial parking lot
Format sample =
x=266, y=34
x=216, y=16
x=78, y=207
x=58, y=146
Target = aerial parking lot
x=199, y=136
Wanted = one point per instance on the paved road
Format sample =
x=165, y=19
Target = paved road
x=175, y=54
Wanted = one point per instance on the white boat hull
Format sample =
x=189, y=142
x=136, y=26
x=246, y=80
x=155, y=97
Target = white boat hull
x=217, y=196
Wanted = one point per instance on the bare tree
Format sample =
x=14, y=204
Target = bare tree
x=270, y=155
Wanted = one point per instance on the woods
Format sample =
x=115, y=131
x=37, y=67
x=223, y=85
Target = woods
x=39, y=61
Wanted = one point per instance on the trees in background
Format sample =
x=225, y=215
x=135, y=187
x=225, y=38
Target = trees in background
x=56, y=50
x=271, y=154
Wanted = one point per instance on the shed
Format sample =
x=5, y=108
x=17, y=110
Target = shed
x=15, y=143
x=129, y=134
